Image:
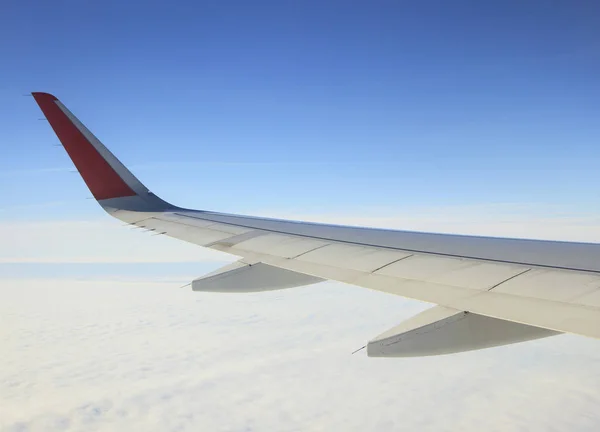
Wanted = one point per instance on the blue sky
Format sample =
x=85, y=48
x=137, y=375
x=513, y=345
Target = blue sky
x=338, y=106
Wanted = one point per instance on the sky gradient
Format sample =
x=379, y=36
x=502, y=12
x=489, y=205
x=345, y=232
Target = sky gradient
x=320, y=104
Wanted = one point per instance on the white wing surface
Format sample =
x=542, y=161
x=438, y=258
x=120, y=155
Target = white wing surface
x=490, y=291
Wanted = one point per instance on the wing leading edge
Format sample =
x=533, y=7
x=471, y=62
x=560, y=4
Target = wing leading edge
x=513, y=289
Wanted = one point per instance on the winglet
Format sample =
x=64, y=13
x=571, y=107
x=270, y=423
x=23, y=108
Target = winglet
x=111, y=183
x=104, y=175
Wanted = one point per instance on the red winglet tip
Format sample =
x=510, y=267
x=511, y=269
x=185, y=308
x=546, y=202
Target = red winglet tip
x=43, y=95
x=101, y=178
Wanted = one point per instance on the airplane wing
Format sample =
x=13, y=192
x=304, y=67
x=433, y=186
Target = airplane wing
x=488, y=291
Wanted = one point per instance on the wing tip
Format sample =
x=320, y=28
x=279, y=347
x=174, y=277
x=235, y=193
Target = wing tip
x=43, y=95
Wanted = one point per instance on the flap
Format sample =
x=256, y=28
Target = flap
x=242, y=277
x=442, y=330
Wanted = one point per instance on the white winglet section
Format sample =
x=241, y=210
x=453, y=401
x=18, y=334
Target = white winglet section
x=442, y=330
x=241, y=277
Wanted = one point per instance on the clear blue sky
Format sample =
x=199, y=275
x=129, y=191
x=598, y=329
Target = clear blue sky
x=325, y=105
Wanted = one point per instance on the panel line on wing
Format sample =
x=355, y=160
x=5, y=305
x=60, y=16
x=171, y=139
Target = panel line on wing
x=392, y=262
x=311, y=250
x=233, y=240
x=510, y=278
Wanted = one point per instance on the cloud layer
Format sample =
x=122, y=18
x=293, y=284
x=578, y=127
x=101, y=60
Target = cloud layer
x=112, y=356
x=95, y=241
x=113, y=344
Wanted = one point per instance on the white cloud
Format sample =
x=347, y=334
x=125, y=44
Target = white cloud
x=112, y=356
x=95, y=241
